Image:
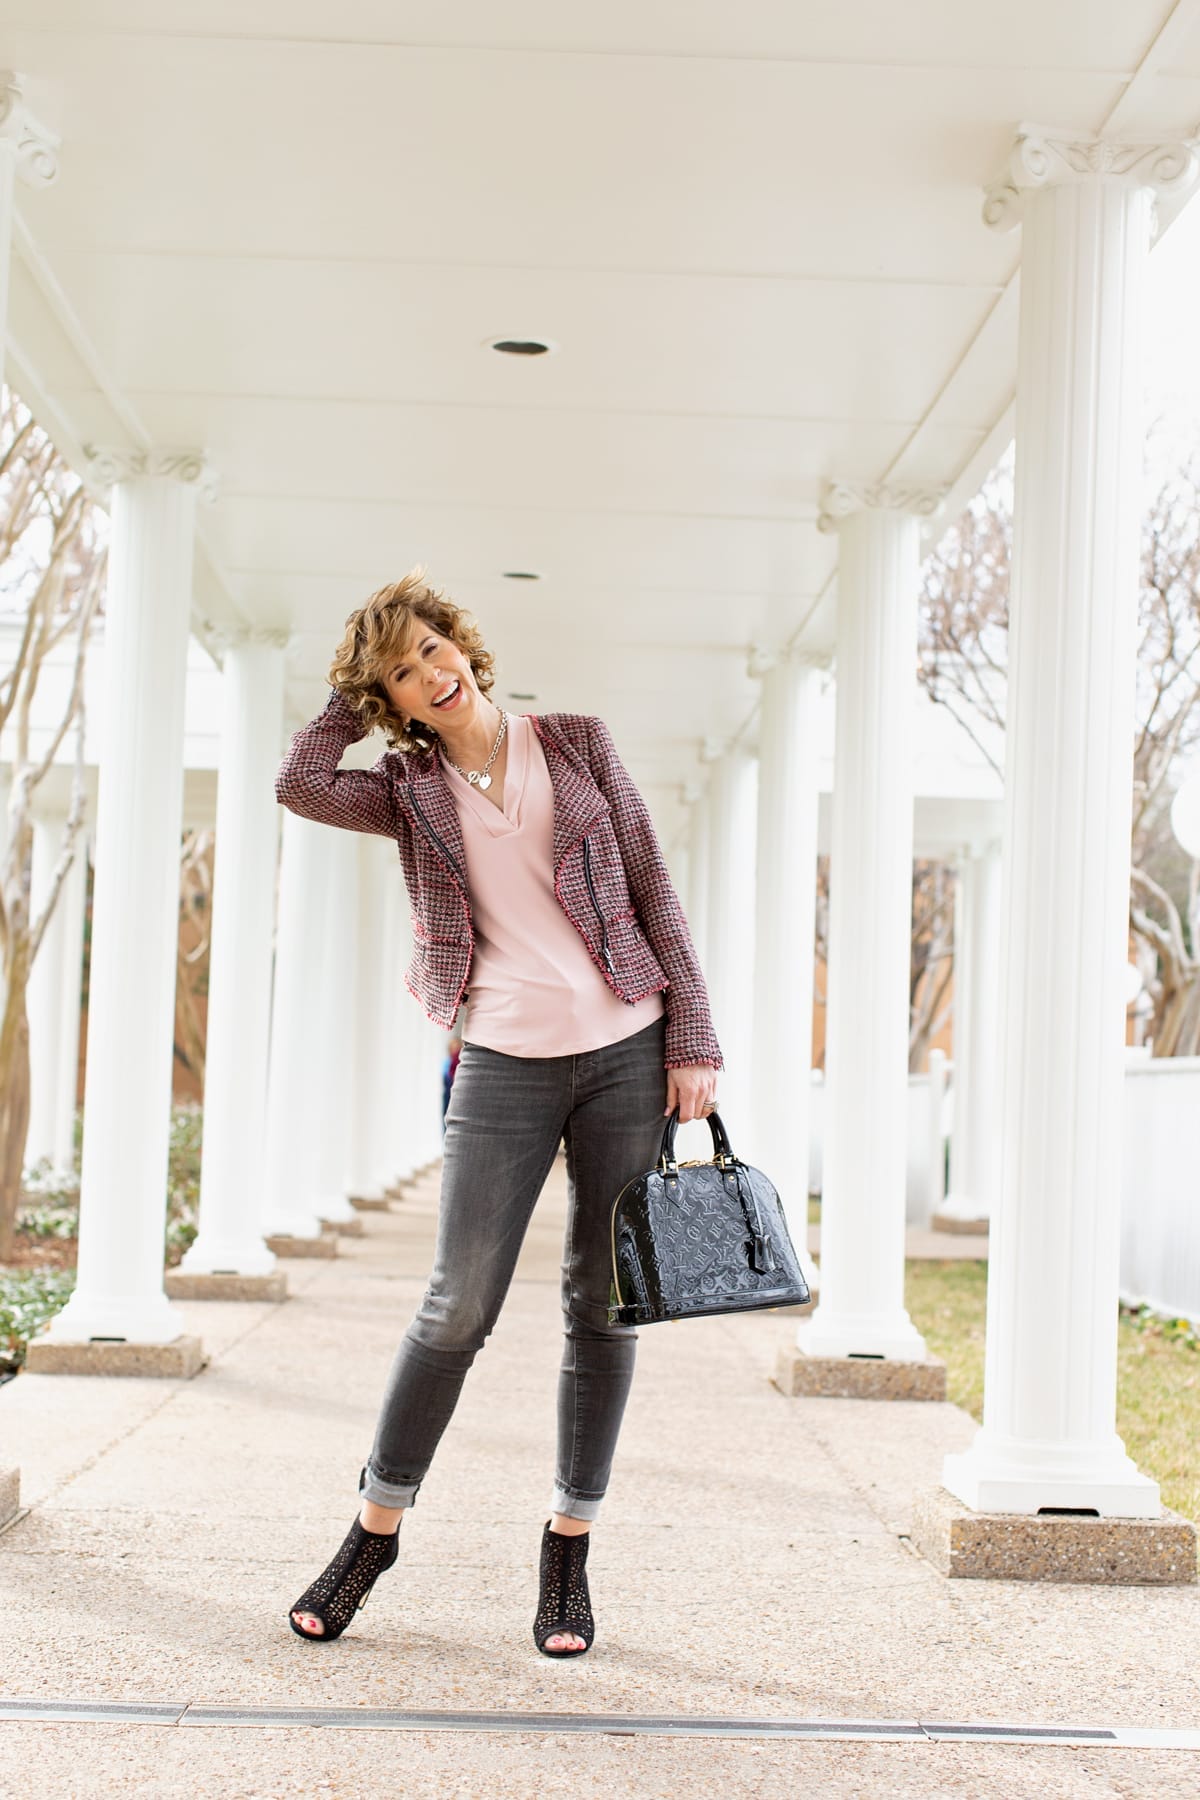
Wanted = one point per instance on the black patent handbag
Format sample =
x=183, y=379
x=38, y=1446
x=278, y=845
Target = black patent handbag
x=694, y=1238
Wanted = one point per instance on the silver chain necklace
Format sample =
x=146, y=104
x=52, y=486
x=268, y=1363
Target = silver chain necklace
x=480, y=777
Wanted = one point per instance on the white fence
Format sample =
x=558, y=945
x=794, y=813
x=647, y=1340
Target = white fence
x=930, y=1113
x=1160, y=1209
x=1160, y=1212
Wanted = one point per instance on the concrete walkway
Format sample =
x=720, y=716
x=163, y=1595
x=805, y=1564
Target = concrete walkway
x=752, y=1562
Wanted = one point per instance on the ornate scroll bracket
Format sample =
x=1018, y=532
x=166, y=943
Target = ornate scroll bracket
x=1044, y=157
x=843, y=498
x=760, y=661
x=34, y=145
x=237, y=637
x=111, y=464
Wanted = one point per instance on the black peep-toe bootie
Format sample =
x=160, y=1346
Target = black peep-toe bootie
x=564, y=1603
x=344, y=1587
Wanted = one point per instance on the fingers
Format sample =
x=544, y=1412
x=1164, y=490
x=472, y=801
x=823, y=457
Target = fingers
x=693, y=1091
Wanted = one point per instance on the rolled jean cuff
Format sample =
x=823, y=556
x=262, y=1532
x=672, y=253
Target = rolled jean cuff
x=387, y=1493
x=572, y=1507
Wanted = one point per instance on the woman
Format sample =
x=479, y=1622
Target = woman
x=535, y=876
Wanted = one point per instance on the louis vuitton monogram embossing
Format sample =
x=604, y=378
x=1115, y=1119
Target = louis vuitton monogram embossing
x=690, y=1239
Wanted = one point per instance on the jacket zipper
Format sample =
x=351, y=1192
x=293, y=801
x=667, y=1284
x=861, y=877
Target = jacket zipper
x=463, y=893
x=433, y=834
x=587, y=874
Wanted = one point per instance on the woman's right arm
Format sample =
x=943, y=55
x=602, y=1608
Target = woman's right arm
x=310, y=783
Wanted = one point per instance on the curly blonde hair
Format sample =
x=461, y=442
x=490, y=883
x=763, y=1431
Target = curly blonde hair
x=379, y=631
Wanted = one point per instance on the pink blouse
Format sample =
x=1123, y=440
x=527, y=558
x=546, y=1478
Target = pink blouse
x=534, y=989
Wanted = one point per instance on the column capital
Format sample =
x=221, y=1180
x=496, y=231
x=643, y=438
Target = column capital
x=33, y=144
x=113, y=463
x=842, y=499
x=760, y=661
x=235, y=637
x=690, y=792
x=1045, y=156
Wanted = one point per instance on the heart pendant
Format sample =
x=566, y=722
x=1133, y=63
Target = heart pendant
x=485, y=781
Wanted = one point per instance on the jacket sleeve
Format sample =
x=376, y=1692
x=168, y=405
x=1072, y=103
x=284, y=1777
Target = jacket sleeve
x=310, y=783
x=690, y=1035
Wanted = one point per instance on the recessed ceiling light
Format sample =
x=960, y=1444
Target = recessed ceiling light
x=521, y=575
x=514, y=346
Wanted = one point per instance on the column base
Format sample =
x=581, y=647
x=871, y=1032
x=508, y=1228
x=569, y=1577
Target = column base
x=181, y=1284
x=284, y=1245
x=10, y=1494
x=403, y=1184
x=351, y=1227
x=1035, y=1547
x=858, y=1377
x=179, y=1360
x=952, y=1222
x=370, y=1203
x=209, y=1256
x=891, y=1335
x=149, y=1320
x=1013, y=1477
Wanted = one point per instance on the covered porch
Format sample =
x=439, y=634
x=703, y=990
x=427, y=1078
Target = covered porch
x=668, y=343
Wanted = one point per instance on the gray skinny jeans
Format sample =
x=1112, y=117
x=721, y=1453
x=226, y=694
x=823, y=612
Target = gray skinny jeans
x=506, y=1117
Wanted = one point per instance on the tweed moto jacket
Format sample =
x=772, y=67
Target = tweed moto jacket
x=609, y=873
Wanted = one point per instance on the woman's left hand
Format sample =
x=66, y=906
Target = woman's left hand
x=693, y=1090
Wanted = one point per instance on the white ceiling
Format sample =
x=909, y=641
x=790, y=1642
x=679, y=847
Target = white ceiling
x=285, y=232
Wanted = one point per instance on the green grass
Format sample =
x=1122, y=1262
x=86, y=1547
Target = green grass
x=1158, y=1373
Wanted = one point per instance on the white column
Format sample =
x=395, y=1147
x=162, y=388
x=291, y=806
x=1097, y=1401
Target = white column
x=397, y=1025
x=403, y=1022
x=861, y=1310
x=369, y=1164
x=696, y=904
x=229, y=1239
x=72, y=899
x=785, y=930
x=44, y=994
x=333, y=1045
x=135, y=910
x=432, y=1041
x=732, y=802
x=295, y=1105
x=54, y=1000
x=975, y=1140
x=935, y=1191
x=1048, y=1437
x=678, y=863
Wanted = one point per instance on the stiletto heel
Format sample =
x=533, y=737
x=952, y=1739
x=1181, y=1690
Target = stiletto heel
x=564, y=1604
x=344, y=1586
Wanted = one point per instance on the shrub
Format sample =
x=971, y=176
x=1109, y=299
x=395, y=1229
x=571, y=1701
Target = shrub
x=27, y=1299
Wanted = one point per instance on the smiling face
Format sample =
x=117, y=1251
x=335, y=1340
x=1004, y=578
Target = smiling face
x=431, y=681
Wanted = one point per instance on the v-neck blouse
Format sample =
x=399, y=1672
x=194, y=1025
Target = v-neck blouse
x=534, y=989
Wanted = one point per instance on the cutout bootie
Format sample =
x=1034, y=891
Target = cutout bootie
x=344, y=1586
x=564, y=1603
